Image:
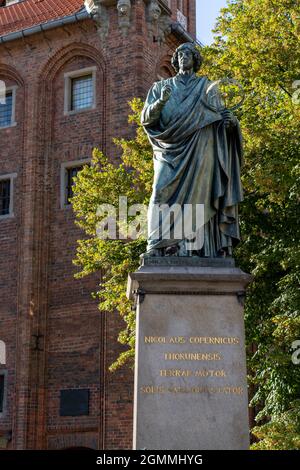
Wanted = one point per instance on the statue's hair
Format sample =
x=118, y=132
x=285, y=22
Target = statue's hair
x=198, y=59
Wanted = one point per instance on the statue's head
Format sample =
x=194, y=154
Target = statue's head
x=124, y=7
x=182, y=55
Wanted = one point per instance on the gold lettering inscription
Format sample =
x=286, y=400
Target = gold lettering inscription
x=177, y=340
x=176, y=373
x=209, y=390
x=152, y=389
x=192, y=340
x=226, y=390
x=155, y=339
x=188, y=356
x=213, y=340
x=191, y=373
x=210, y=373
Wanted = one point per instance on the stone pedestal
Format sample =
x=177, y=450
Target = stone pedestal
x=190, y=373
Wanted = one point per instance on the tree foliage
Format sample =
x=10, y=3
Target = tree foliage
x=257, y=43
x=102, y=183
x=281, y=433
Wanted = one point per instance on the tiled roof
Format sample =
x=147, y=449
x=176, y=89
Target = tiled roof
x=28, y=13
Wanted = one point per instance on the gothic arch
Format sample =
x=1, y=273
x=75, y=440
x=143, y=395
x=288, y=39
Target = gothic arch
x=47, y=160
x=47, y=76
x=11, y=73
x=64, y=55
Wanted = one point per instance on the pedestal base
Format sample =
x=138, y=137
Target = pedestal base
x=190, y=374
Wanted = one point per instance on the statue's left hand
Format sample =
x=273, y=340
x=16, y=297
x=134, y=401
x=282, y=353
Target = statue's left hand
x=229, y=119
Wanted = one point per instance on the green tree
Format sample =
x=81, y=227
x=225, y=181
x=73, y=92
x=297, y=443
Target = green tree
x=102, y=183
x=257, y=43
x=281, y=433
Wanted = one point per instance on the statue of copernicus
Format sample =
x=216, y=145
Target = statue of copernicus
x=197, y=148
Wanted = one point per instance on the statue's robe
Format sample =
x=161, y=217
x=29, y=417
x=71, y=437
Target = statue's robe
x=196, y=161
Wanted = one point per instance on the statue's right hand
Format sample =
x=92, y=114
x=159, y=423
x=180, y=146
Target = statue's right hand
x=165, y=93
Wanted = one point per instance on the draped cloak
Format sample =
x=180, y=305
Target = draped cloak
x=196, y=161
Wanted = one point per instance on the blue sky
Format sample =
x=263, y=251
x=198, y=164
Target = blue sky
x=207, y=12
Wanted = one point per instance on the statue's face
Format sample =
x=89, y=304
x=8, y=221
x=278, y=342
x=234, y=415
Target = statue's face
x=185, y=59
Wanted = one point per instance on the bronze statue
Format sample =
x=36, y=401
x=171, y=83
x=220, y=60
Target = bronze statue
x=197, y=149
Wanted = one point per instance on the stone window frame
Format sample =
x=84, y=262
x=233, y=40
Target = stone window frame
x=13, y=123
x=11, y=177
x=4, y=373
x=68, y=89
x=66, y=166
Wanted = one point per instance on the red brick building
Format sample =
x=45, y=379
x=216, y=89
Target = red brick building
x=67, y=71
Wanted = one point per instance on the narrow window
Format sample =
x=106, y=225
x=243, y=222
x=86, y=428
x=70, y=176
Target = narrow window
x=80, y=90
x=5, y=197
x=6, y=110
x=82, y=94
x=68, y=171
x=70, y=175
